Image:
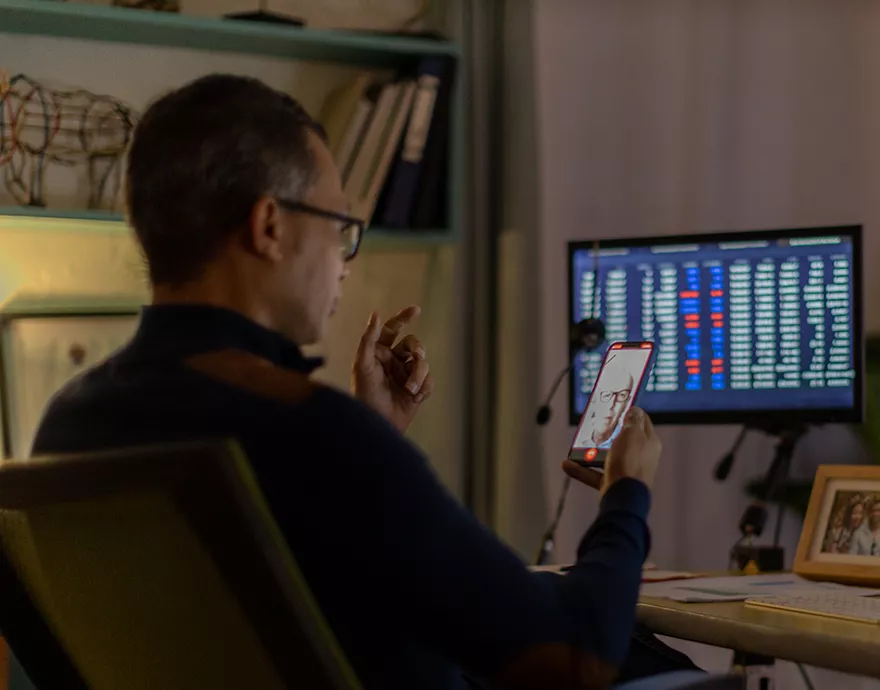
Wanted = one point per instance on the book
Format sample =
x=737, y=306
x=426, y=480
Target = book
x=359, y=180
x=400, y=195
x=430, y=205
x=391, y=138
x=350, y=143
x=339, y=108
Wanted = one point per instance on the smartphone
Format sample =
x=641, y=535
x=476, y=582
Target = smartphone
x=623, y=372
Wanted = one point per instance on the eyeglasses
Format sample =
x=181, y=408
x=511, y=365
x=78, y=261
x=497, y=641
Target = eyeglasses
x=351, y=232
x=618, y=396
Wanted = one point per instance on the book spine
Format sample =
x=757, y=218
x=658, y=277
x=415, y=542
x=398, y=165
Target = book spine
x=404, y=180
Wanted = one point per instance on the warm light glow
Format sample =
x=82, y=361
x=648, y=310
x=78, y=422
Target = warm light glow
x=55, y=260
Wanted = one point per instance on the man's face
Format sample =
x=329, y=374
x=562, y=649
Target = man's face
x=607, y=407
x=874, y=516
x=309, y=279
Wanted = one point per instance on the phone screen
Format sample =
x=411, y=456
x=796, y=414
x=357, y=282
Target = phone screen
x=623, y=370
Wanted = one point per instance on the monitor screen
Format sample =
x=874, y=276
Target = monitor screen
x=748, y=326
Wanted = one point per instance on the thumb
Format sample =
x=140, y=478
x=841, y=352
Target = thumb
x=584, y=475
x=366, y=352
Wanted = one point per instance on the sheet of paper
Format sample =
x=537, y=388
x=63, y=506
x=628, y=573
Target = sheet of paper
x=650, y=573
x=653, y=575
x=739, y=588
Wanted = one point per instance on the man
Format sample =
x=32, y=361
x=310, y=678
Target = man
x=866, y=539
x=239, y=208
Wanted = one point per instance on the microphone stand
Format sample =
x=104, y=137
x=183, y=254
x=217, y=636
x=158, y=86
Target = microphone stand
x=545, y=411
x=586, y=335
x=549, y=538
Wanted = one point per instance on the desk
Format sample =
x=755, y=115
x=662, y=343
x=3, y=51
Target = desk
x=815, y=640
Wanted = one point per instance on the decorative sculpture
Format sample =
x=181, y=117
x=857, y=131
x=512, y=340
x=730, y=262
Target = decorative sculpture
x=40, y=126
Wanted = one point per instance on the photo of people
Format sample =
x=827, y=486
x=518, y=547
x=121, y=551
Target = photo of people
x=854, y=524
x=611, y=398
x=840, y=539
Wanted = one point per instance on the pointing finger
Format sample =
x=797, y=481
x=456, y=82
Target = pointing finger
x=395, y=324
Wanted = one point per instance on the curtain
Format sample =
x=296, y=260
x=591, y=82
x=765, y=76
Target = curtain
x=652, y=118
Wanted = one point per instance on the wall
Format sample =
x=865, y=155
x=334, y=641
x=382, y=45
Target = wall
x=384, y=280
x=678, y=118
x=520, y=495
x=669, y=117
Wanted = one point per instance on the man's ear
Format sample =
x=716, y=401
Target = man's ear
x=265, y=231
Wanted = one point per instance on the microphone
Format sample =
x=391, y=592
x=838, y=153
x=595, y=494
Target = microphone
x=588, y=335
x=722, y=469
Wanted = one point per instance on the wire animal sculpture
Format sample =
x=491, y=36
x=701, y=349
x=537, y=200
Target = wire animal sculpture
x=40, y=126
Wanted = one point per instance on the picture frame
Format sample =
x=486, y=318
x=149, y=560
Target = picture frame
x=840, y=539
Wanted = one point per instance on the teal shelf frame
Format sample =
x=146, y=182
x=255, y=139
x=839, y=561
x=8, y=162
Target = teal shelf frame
x=72, y=305
x=144, y=27
x=358, y=49
x=106, y=221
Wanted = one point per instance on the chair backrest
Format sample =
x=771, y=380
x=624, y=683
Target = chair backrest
x=162, y=567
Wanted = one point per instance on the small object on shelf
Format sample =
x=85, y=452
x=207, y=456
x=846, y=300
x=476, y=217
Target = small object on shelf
x=153, y=5
x=264, y=11
x=425, y=34
x=266, y=17
x=41, y=126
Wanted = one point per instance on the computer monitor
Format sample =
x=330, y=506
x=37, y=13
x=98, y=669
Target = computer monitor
x=757, y=328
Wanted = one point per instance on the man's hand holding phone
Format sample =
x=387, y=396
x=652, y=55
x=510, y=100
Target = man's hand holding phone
x=634, y=453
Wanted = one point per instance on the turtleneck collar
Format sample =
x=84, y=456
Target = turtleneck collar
x=180, y=331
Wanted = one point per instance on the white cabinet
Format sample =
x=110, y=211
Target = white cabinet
x=41, y=354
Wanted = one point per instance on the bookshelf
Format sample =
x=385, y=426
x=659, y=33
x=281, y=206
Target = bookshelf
x=123, y=25
x=107, y=24
x=83, y=221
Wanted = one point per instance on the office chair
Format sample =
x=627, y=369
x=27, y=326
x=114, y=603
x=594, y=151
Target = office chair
x=155, y=568
x=162, y=568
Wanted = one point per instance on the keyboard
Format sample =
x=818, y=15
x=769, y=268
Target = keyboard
x=830, y=604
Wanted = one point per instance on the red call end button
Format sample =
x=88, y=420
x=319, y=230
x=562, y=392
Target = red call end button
x=590, y=454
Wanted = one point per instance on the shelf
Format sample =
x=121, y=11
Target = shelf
x=105, y=221
x=72, y=305
x=144, y=27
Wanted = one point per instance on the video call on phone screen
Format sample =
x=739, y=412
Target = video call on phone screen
x=612, y=396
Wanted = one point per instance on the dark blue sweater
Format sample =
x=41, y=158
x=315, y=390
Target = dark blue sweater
x=415, y=588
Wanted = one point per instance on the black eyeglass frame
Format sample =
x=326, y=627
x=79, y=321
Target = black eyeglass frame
x=621, y=395
x=346, y=220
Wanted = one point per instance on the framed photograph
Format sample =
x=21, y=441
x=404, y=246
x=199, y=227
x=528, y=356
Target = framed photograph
x=841, y=536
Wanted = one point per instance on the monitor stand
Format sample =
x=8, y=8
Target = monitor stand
x=751, y=558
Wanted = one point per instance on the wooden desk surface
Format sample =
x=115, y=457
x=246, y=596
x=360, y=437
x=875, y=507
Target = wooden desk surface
x=815, y=640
